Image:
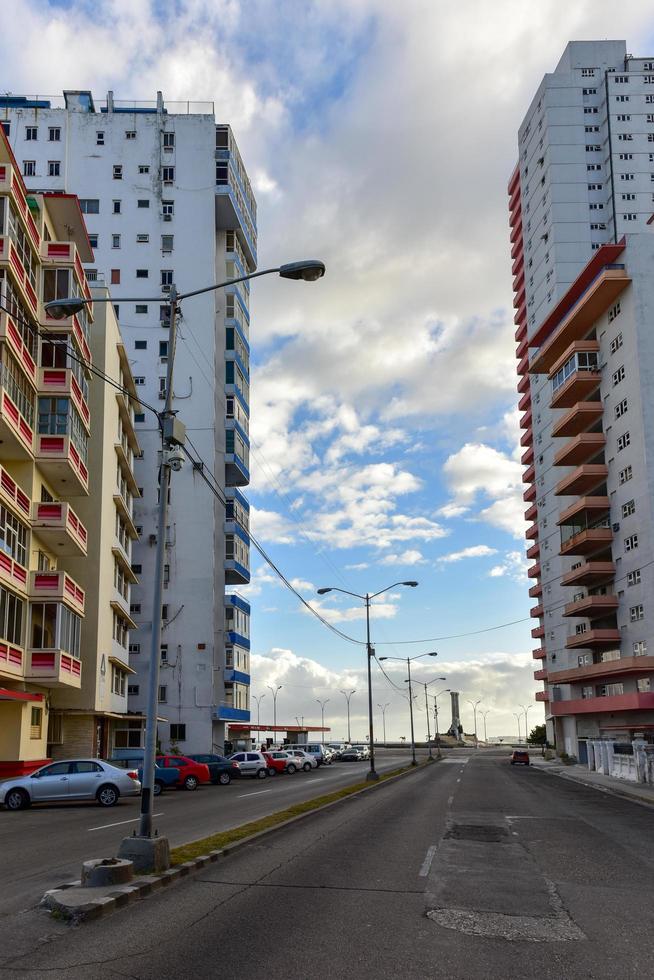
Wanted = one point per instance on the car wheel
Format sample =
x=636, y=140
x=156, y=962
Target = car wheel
x=158, y=789
x=272, y=771
x=262, y=773
x=191, y=782
x=307, y=766
x=291, y=768
x=224, y=779
x=17, y=799
x=107, y=796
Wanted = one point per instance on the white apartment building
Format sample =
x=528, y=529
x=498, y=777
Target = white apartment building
x=167, y=200
x=581, y=203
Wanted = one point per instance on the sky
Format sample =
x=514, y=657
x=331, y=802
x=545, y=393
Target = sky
x=379, y=137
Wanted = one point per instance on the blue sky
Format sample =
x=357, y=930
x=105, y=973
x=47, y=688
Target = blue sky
x=379, y=137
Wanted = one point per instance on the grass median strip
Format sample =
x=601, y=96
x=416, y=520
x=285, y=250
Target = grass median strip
x=216, y=842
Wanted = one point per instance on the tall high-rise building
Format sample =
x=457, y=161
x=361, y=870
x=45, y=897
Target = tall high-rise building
x=167, y=200
x=581, y=203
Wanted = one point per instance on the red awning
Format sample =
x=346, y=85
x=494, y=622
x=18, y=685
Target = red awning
x=277, y=728
x=7, y=695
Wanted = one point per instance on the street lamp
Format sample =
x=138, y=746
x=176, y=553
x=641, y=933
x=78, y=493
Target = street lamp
x=483, y=714
x=518, y=715
x=372, y=775
x=347, y=698
x=474, y=708
x=426, y=685
x=526, y=709
x=258, y=698
x=408, y=661
x=383, y=711
x=438, y=738
x=172, y=439
x=275, y=692
x=322, y=712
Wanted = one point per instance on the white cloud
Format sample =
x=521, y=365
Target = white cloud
x=409, y=557
x=359, y=566
x=474, y=551
x=514, y=565
x=452, y=510
x=481, y=471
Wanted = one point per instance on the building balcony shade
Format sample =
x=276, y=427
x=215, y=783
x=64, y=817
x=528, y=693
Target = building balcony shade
x=592, y=606
x=225, y=712
x=590, y=573
x=587, y=542
x=540, y=675
x=583, y=480
x=59, y=527
x=588, y=507
x=593, y=639
x=542, y=696
x=57, y=587
x=579, y=418
x=62, y=465
x=53, y=668
x=606, y=669
x=578, y=387
x=580, y=449
x=62, y=383
x=634, y=701
x=12, y=661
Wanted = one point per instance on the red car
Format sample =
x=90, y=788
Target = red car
x=191, y=773
x=519, y=755
x=279, y=762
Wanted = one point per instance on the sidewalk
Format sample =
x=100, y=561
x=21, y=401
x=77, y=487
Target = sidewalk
x=642, y=792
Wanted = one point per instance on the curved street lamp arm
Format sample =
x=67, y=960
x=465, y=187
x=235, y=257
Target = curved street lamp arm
x=334, y=588
x=387, y=589
x=228, y=282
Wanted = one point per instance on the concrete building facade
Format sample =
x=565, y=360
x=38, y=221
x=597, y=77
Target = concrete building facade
x=167, y=200
x=581, y=200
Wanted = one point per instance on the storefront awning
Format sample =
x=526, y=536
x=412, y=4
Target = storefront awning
x=7, y=695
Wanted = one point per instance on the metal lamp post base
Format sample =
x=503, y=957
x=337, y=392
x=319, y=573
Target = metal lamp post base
x=372, y=776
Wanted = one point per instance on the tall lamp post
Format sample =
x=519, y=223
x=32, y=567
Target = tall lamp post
x=526, y=709
x=348, y=695
x=426, y=685
x=474, y=708
x=483, y=715
x=258, y=698
x=518, y=715
x=372, y=775
x=172, y=457
x=322, y=713
x=275, y=692
x=383, y=711
x=438, y=738
x=408, y=661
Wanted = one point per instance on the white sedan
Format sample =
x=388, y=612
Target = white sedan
x=73, y=779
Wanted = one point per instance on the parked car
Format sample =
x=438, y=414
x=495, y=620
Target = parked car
x=191, y=773
x=305, y=760
x=279, y=761
x=321, y=753
x=363, y=749
x=337, y=748
x=221, y=770
x=251, y=764
x=352, y=753
x=72, y=779
x=519, y=756
x=163, y=778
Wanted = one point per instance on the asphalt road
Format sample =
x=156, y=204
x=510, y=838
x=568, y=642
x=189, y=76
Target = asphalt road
x=45, y=846
x=463, y=870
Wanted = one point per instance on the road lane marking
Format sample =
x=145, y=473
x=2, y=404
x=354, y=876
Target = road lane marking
x=459, y=780
x=258, y=793
x=426, y=864
x=106, y=826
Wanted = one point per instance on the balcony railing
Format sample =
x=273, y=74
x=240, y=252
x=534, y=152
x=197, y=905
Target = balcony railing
x=594, y=638
x=634, y=701
x=62, y=465
x=11, y=494
x=62, y=383
x=623, y=666
x=11, y=660
x=58, y=526
x=57, y=586
x=10, y=334
x=53, y=668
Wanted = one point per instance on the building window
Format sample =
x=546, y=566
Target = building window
x=167, y=243
x=134, y=648
x=115, y=241
x=168, y=141
x=163, y=694
x=117, y=207
x=164, y=611
x=636, y=613
x=144, y=169
x=141, y=308
x=163, y=349
x=168, y=208
x=142, y=273
x=118, y=171
x=31, y=133
x=166, y=277
x=629, y=508
x=115, y=277
x=93, y=240
x=54, y=134
x=143, y=203
x=89, y=205
x=118, y=681
x=36, y=722
x=587, y=72
x=618, y=376
x=163, y=653
x=617, y=341
x=168, y=175
x=140, y=345
x=132, y=690
x=137, y=569
x=135, y=607
x=139, y=417
x=643, y=684
x=631, y=543
x=29, y=168
x=54, y=168
x=139, y=380
x=177, y=733
x=99, y=138
x=130, y=134
x=620, y=408
x=166, y=576
x=634, y=578
x=623, y=441
x=12, y=611
x=625, y=474
x=142, y=239
x=640, y=648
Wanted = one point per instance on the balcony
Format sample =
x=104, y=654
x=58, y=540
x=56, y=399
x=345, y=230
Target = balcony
x=539, y=653
x=527, y=438
x=11, y=661
x=16, y=432
x=524, y=383
x=538, y=633
x=59, y=527
x=232, y=676
x=580, y=417
x=578, y=387
x=530, y=493
x=542, y=696
x=235, y=572
x=534, y=551
x=11, y=573
x=24, y=279
x=236, y=472
x=536, y=591
x=592, y=606
x=11, y=183
x=580, y=449
x=587, y=542
x=529, y=475
x=537, y=611
x=65, y=254
x=233, y=210
x=586, y=507
x=634, y=701
x=534, y=571
x=594, y=639
x=624, y=666
x=62, y=465
x=66, y=327
x=124, y=507
x=579, y=320
x=590, y=573
x=532, y=532
x=527, y=457
x=10, y=334
x=126, y=460
x=540, y=675
x=583, y=480
x=57, y=587
x=531, y=513
x=525, y=402
x=525, y=420
x=12, y=496
x=53, y=668
x=62, y=383
x=225, y=712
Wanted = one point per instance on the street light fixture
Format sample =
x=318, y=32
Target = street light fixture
x=322, y=712
x=172, y=437
x=518, y=715
x=348, y=695
x=526, y=709
x=474, y=708
x=372, y=775
x=483, y=715
x=383, y=711
x=408, y=661
x=275, y=692
x=438, y=738
x=426, y=685
x=258, y=698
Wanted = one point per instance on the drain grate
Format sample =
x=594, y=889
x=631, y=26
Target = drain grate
x=480, y=832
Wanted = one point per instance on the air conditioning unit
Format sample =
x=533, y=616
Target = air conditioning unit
x=152, y=539
x=162, y=396
x=165, y=288
x=167, y=217
x=615, y=527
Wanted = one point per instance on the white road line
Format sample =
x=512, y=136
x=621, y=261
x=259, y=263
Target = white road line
x=426, y=864
x=459, y=780
x=258, y=793
x=106, y=826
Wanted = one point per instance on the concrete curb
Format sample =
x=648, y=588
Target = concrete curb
x=76, y=904
x=609, y=790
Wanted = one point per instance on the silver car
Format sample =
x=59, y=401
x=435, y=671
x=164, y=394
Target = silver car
x=251, y=764
x=74, y=779
x=305, y=760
